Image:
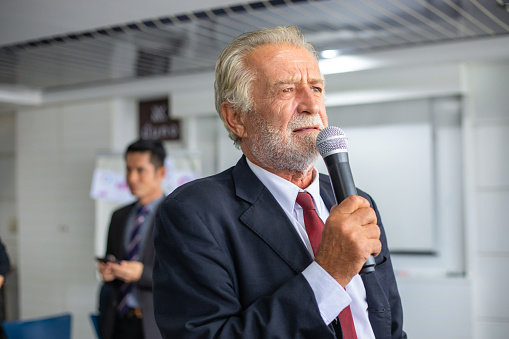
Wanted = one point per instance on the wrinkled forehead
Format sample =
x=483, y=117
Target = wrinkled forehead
x=284, y=60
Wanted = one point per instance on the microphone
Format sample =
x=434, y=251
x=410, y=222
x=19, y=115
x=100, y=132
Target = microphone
x=332, y=144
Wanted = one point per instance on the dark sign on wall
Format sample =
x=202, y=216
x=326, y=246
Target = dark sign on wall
x=155, y=122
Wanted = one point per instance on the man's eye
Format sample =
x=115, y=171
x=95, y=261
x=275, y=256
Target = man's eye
x=317, y=89
x=286, y=90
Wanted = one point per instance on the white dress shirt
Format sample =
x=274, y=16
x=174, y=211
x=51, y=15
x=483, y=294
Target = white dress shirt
x=331, y=297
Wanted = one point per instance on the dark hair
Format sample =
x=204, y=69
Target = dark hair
x=155, y=147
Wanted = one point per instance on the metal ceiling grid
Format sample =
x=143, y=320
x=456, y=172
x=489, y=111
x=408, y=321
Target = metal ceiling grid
x=192, y=42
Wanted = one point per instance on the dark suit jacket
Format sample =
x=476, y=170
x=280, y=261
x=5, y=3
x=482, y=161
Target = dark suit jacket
x=228, y=265
x=108, y=298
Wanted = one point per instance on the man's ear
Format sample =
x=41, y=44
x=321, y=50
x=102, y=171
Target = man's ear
x=233, y=119
x=161, y=172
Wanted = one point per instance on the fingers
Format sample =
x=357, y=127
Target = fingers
x=371, y=232
x=120, y=271
x=105, y=271
x=356, y=209
x=351, y=204
x=367, y=241
x=101, y=266
x=128, y=271
x=350, y=236
x=377, y=246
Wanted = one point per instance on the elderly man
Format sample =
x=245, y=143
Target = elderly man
x=233, y=254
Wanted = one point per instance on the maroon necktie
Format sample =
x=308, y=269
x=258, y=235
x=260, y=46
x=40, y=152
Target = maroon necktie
x=314, y=227
x=313, y=223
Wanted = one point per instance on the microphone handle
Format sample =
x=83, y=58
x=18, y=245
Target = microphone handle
x=343, y=185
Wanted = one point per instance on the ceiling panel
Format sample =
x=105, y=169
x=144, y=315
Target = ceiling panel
x=191, y=42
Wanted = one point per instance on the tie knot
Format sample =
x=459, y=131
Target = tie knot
x=142, y=211
x=305, y=200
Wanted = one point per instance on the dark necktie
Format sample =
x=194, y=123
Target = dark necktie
x=132, y=255
x=314, y=227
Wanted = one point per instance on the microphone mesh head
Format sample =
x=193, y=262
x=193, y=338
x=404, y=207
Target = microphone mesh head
x=331, y=140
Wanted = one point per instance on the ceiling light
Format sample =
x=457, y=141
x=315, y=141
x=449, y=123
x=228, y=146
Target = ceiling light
x=344, y=64
x=329, y=53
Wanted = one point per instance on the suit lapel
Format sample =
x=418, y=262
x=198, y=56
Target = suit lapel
x=326, y=191
x=265, y=217
x=123, y=226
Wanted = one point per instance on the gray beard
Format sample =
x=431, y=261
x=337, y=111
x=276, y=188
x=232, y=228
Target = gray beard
x=297, y=154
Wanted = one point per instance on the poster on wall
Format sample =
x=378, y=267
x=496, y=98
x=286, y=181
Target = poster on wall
x=109, y=184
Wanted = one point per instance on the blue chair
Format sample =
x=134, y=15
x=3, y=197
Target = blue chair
x=94, y=319
x=54, y=327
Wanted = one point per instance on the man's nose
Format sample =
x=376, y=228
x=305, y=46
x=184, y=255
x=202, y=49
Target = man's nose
x=131, y=176
x=309, y=101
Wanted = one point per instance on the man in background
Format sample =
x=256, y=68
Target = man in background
x=125, y=302
x=234, y=258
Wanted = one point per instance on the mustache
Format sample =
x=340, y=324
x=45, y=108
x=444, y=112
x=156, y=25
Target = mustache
x=301, y=121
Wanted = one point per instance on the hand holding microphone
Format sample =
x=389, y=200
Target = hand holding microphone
x=351, y=233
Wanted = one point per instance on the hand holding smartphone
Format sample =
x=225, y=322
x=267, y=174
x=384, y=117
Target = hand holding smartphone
x=108, y=258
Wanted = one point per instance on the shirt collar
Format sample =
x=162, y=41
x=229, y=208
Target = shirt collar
x=151, y=206
x=283, y=190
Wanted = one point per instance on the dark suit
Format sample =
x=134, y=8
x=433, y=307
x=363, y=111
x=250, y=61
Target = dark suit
x=228, y=265
x=109, y=294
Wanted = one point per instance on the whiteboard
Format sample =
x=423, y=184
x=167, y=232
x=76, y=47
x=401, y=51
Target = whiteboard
x=394, y=164
x=391, y=152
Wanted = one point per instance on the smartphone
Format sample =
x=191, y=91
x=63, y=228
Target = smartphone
x=108, y=258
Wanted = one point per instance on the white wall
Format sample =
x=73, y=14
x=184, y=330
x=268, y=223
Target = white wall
x=487, y=152
x=55, y=157
x=8, y=215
